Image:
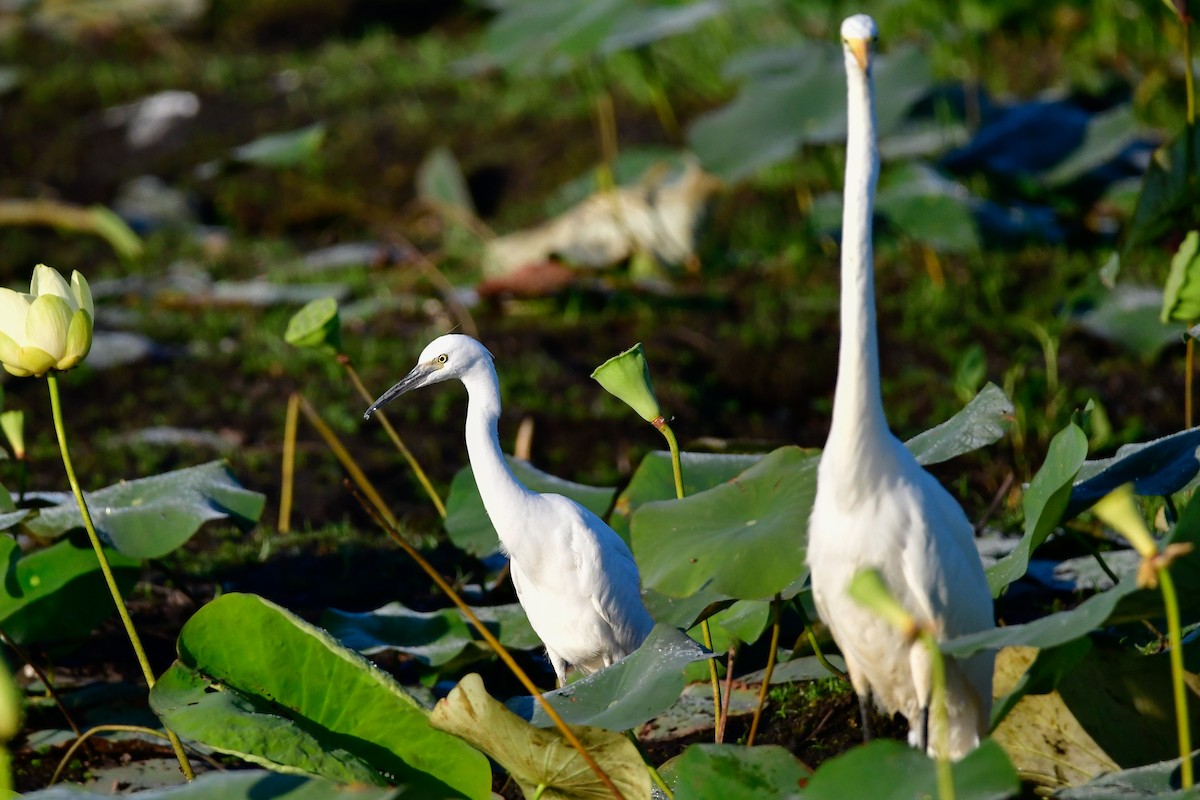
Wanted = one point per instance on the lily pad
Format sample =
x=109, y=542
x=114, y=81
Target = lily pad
x=1156, y=468
x=1129, y=316
x=540, y=760
x=620, y=697
x=929, y=208
x=150, y=517
x=241, y=785
x=467, y=522
x=1107, y=134
x=1045, y=502
x=256, y=681
x=719, y=771
x=981, y=422
x=282, y=150
x=58, y=593
x=886, y=770
x=1158, y=781
x=745, y=538
x=655, y=480
x=433, y=637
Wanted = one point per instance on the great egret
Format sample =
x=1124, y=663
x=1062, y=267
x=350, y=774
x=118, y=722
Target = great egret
x=875, y=505
x=575, y=578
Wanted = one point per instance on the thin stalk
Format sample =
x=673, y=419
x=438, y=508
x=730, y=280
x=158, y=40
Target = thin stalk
x=606, y=124
x=60, y=429
x=348, y=463
x=290, y=424
x=705, y=629
x=766, y=684
x=1189, y=371
x=1175, y=639
x=111, y=728
x=44, y=678
x=654, y=774
x=816, y=648
x=727, y=693
x=358, y=490
x=937, y=674
x=413, y=464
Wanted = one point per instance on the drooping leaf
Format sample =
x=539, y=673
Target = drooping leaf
x=1048, y=631
x=256, y=681
x=150, y=517
x=626, y=694
x=58, y=593
x=1181, y=295
x=548, y=36
x=929, y=208
x=745, y=537
x=1041, y=735
x=887, y=770
x=242, y=785
x=1051, y=666
x=643, y=25
x=718, y=771
x=433, y=637
x=317, y=324
x=683, y=612
x=1156, y=468
x=441, y=184
x=1045, y=502
x=654, y=480
x=1129, y=316
x=1158, y=781
x=980, y=423
x=744, y=621
x=467, y=522
x=282, y=150
x=1169, y=191
x=540, y=760
x=1107, y=134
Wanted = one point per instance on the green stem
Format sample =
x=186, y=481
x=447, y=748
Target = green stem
x=60, y=430
x=705, y=629
x=1175, y=640
x=812, y=642
x=654, y=773
x=937, y=701
x=766, y=684
x=413, y=464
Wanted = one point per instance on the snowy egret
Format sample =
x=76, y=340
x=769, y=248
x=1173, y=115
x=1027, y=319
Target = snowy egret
x=875, y=505
x=574, y=576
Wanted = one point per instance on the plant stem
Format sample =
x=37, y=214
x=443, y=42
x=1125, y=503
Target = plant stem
x=705, y=629
x=60, y=430
x=766, y=684
x=413, y=464
x=937, y=701
x=347, y=462
x=43, y=677
x=291, y=422
x=1188, y=372
x=654, y=773
x=1175, y=640
x=115, y=728
x=358, y=490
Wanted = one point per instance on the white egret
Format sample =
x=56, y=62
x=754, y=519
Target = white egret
x=875, y=505
x=574, y=576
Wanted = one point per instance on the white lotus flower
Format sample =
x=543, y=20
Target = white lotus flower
x=49, y=328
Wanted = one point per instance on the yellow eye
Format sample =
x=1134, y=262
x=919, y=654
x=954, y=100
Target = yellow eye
x=442, y=358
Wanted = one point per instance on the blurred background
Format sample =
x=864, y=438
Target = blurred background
x=564, y=179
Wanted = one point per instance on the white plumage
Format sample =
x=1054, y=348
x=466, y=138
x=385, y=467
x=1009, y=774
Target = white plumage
x=575, y=578
x=875, y=505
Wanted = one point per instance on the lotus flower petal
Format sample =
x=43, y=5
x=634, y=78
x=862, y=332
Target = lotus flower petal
x=83, y=294
x=14, y=308
x=79, y=340
x=46, y=280
x=47, y=325
x=37, y=361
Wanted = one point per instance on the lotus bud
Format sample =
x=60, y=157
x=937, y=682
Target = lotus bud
x=316, y=325
x=1118, y=510
x=869, y=591
x=628, y=378
x=12, y=422
x=49, y=328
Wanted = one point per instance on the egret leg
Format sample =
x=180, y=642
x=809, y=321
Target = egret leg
x=560, y=668
x=864, y=711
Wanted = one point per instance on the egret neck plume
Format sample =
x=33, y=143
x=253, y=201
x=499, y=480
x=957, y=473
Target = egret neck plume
x=575, y=578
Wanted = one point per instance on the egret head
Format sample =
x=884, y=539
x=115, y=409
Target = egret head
x=859, y=35
x=446, y=357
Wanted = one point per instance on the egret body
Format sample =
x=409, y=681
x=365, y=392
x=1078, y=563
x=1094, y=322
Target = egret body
x=875, y=505
x=574, y=576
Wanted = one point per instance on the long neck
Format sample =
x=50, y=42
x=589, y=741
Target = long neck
x=500, y=490
x=857, y=407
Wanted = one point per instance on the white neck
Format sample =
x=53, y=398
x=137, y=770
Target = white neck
x=857, y=405
x=500, y=490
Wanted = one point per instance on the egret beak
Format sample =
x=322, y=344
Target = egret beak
x=414, y=379
x=861, y=50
